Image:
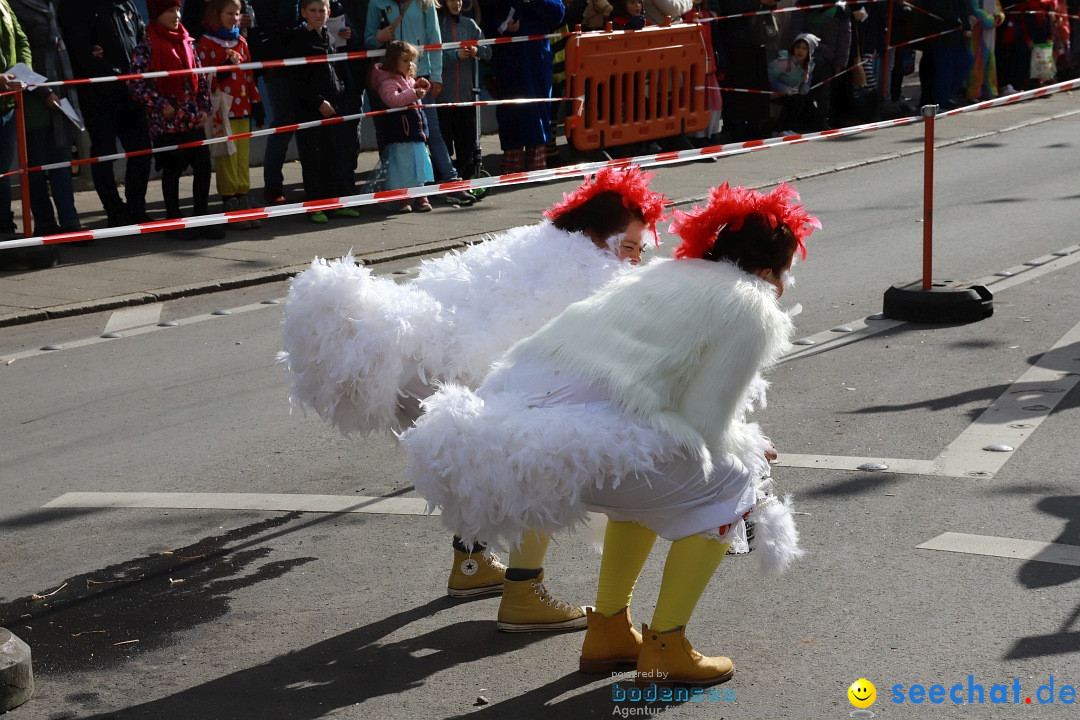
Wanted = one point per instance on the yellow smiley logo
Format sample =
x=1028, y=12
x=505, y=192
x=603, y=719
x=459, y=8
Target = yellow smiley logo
x=862, y=693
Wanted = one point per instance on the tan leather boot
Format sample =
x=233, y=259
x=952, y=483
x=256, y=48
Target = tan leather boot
x=611, y=642
x=667, y=658
x=527, y=606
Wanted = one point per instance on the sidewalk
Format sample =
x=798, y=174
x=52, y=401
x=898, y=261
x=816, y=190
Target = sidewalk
x=148, y=268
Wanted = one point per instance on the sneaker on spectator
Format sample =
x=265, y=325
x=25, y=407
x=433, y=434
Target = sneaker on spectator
x=345, y=212
x=1007, y=90
x=273, y=195
x=212, y=232
x=422, y=205
x=459, y=198
x=318, y=217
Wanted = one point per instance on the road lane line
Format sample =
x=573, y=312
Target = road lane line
x=269, y=502
x=1015, y=415
x=1058, y=553
x=133, y=317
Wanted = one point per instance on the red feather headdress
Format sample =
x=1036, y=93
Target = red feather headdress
x=631, y=183
x=729, y=207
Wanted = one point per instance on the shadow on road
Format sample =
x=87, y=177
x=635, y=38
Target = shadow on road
x=1036, y=575
x=339, y=672
x=105, y=617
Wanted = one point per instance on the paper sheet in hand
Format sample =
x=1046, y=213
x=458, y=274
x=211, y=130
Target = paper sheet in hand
x=72, y=114
x=509, y=19
x=335, y=25
x=24, y=74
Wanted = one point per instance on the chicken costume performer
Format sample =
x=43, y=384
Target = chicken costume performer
x=363, y=351
x=632, y=403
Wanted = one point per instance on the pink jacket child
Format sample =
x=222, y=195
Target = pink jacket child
x=401, y=135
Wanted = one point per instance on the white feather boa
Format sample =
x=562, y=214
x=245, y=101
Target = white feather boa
x=677, y=344
x=355, y=344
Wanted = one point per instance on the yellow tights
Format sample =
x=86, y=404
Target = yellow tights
x=529, y=555
x=691, y=563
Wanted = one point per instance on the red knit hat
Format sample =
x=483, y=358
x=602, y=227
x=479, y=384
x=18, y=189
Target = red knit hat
x=156, y=7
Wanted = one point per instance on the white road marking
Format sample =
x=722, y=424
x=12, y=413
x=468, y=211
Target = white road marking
x=844, y=462
x=133, y=317
x=1010, y=420
x=1058, y=553
x=270, y=502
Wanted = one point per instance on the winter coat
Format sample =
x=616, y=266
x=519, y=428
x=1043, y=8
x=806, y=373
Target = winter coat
x=394, y=90
x=114, y=25
x=457, y=74
x=523, y=70
x=194, y=102
x=419, y=26
x=314, y=83
x=785, y=72
x=239, y=84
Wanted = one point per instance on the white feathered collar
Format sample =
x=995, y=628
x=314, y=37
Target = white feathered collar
x=678, y=343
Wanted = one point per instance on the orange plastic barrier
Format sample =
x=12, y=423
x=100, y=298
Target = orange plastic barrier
x=638, y=85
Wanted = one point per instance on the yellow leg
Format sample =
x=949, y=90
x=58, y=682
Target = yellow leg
x=530, y=554
x=626, y=546
x=690, y=565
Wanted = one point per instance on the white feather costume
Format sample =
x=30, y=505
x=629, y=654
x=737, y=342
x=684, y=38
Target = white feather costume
x=362, y=350
x=672, y=355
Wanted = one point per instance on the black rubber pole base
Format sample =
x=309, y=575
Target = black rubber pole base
x=947, y=301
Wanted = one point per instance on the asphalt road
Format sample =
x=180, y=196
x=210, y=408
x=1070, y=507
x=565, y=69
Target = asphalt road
x=176, y=613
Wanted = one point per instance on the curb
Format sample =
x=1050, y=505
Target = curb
x=16, y=671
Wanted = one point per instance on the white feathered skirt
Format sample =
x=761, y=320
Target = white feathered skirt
x=540, y=449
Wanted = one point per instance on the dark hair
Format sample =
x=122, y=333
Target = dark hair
x=757, y=245
x=604, y=214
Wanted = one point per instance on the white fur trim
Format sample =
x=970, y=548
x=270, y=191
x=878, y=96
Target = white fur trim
x=497, y=468
x=776, y=538
x=355, y=344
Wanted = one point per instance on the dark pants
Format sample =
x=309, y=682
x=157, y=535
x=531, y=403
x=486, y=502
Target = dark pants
x=42, y=149
x=173, y=164
x=326, y=172
x=458, y=127
x=283, y=110
x=7, y=156
x=109, y=113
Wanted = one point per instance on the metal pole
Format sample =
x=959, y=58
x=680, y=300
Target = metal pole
x=928, y=113
x=24, y=178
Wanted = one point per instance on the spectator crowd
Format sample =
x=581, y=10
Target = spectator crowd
x=807, y=70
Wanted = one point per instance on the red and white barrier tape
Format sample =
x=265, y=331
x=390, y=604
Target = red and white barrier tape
x=276, y=131
x=294, y=62
x=536, y=176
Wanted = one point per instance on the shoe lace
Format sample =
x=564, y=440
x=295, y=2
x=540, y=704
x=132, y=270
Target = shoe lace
x=550, y=599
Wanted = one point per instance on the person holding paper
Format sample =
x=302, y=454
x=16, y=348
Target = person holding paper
x=101, y=36
x=50, y=131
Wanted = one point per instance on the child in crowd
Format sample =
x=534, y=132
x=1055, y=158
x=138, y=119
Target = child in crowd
x=790, y=74
x=710, y=36
x=458, y=124
x=320, y=93
x=402, y=136
x=177, y=108
x=222, y=44
x=629, y=15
